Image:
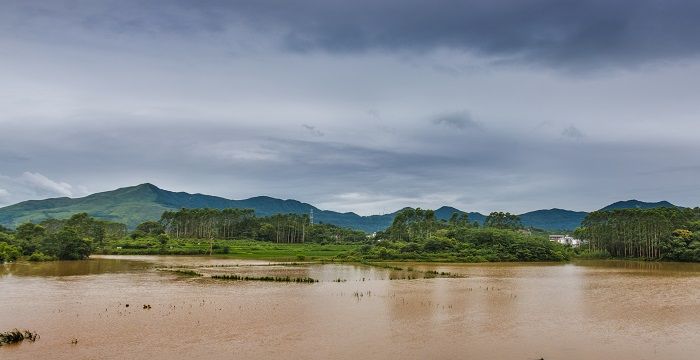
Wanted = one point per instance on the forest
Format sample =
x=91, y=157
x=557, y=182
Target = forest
x=653, y=234
x=187, y=231
x=415, y=234
x=70, y=239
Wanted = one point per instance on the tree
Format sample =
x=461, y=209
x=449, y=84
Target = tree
x=503, y=220
x=67, y=245
x=149, y=228
x=413, y=224
x=660, y=233
x=28, y=237
x=9, y=252
x=459, y=219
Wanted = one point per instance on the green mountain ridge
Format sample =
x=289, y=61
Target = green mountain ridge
x=135, y=204
x=636, y=204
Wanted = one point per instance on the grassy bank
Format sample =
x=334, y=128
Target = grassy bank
x=240, y=249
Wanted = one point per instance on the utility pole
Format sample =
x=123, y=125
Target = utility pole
x=311, y=217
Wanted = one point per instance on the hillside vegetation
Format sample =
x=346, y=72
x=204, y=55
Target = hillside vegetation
x=136, y=204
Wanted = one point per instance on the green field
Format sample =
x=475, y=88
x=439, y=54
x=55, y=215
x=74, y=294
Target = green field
x=240, y=249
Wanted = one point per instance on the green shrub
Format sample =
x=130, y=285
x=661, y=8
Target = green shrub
x=9, y=252
x=40, y=256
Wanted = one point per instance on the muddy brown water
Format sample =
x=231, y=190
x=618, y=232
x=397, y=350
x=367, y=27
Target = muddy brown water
x=586, y=310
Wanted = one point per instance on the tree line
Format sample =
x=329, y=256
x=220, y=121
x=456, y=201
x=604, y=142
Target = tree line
x=68, y=239
x=230, y=224
x=661, y=233
x=416, y=234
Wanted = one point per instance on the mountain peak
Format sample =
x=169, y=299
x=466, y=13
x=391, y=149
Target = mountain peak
x=147, y=186
x=637, y=204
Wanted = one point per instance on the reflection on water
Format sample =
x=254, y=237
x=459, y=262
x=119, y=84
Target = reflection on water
x=71, y=268
x=586, y=310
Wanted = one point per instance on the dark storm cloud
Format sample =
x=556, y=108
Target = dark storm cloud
x=567, y=33
x=562, y=32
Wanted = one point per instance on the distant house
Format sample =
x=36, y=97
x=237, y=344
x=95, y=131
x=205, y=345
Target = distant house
x=565, y=240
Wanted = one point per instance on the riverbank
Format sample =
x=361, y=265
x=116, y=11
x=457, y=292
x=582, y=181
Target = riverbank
x=237, y=249
x=319, y=252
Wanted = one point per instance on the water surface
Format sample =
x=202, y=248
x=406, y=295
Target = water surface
x=585, y=310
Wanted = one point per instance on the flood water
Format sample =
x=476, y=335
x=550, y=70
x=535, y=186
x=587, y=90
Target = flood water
x=586, y=310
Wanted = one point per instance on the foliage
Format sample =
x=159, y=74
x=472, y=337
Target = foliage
x=243, y=249
x=40, y=256
x=592, y=254
x=28, y=237
x=503, y=220
x=669, y=233
x=87, y=227
x=417, y=235
x=68, y=239
x=9, y=252
x=148, y=228
x=243, y=224
x=67, y=245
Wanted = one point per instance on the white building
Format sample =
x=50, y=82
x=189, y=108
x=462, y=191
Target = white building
x=565, y=240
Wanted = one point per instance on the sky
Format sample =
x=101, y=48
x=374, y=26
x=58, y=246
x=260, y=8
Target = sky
x=366, y=105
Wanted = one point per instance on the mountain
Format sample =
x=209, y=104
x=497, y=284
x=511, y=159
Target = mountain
x=445, y=213
x=135, y=204
x=553, y=219
x=636, y=204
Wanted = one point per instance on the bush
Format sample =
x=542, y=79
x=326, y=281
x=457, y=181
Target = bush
x=163, y=239
x=437, y=244
x=67, y=245
x=137, y=234
x=40, y=256
x=594, y=254
x=9, y=252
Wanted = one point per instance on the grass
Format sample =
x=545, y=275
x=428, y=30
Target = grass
x=183, y=272
x=264, y=278
x=17, y=336
x=238, y=249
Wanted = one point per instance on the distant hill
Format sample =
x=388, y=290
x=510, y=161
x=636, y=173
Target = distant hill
x=636, y=204
x=553, y=219
x=135, y=204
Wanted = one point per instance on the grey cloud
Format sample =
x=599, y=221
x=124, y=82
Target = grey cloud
x=564, y=33
x=229, y=97
x=312, y=130
x=45, y=185
x=34, y=185
x=494, y=170
x=458, y=120
x=573, y=132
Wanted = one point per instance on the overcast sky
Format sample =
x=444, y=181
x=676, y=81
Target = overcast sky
x=364, y=106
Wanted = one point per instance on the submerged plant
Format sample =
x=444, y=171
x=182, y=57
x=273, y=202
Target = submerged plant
x=264, y=278
x=16, y=336
x=186, y=272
